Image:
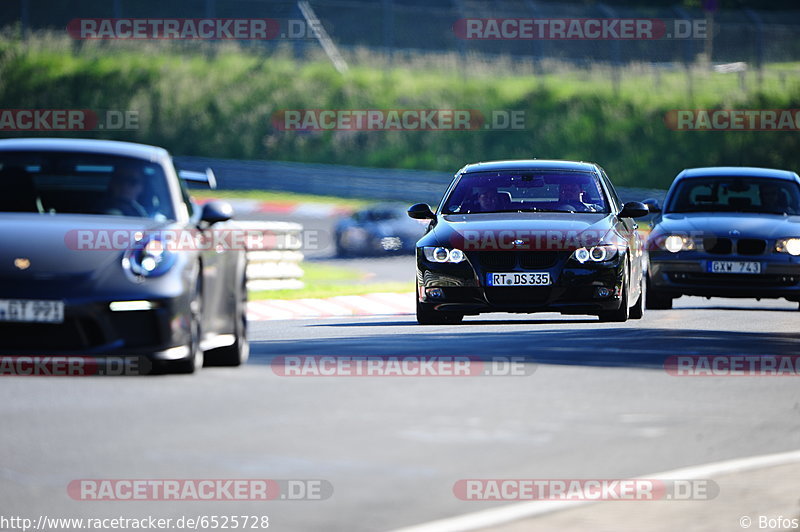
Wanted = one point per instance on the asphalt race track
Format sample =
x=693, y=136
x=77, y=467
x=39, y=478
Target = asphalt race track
x=597, y=403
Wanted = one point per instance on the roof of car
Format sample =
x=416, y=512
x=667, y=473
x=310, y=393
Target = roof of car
x=737, y=171
x=530, y=164
x=110, y=147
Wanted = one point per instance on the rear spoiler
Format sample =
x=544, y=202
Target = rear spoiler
x=206, y=177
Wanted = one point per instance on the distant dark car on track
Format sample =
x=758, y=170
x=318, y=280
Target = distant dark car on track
x=726, y=232
x=377, y=230
x=529, y=236
x=88, y=266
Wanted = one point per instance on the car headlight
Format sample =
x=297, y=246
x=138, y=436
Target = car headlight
x=676, y=243
x=441, y=254
x=149, y=258
x=788, y=245
x=599, y=253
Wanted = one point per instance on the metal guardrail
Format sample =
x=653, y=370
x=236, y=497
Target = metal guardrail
x=277, y=265
x=379, y=184
x=278, y=268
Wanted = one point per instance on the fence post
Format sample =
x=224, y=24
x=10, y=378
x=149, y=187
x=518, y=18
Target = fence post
x=211, y=8
x=388, y=29
x=688, y=44
x=25, y=16
x=759, y=26
x=461, y=43
x=537, y=46
x=616, y=57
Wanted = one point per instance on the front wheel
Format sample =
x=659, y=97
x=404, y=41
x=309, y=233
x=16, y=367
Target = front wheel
x=637, y=310
x=622, y=313
x=237, y=353
x=655, y=300
x=428, y=316
x=195, y=359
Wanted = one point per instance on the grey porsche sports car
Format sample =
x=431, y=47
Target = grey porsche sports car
x=105, y=253
x=726, y=232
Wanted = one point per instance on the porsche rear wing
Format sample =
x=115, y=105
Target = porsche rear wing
x=206, y=177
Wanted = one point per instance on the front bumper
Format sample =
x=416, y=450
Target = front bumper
x=462, y=287
x=686, y=273
x=91, y=328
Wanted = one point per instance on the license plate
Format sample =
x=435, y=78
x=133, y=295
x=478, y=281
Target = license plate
x=733, y=266
x=518, y=279
x=32, y=310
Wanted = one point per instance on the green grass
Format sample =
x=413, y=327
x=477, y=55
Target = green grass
x=323, y=280
x=279, y=197
x=219, y=99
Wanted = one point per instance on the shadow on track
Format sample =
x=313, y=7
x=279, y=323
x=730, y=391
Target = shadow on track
x=606, y=346
x=467, y=322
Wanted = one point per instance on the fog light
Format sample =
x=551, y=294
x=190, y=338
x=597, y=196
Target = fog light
x=435, y=293
x=602, y=291
x=124, y=306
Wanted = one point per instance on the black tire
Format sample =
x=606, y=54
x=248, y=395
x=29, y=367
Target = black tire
x=195, y=359
x=622, y=313
x=237, y=353
x=426, y=316
x=341, y=251
x=637, y=310
x=655, y=300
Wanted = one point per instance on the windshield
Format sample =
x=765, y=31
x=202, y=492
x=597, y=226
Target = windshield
x=526, y=191
x=735, y=194
x=83, y=183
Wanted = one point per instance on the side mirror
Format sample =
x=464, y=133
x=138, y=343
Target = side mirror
x=421, y=211
x=216, y=211
x=634, y=209
x=652, y=204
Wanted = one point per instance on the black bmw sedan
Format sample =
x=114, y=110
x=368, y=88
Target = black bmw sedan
x=529, y=236
x=726, y=232
x=104, y=254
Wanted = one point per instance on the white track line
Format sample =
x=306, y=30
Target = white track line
x=328, y=307
x=404, y=303
x=363, y=305
x=515, y=512
x=296, y=308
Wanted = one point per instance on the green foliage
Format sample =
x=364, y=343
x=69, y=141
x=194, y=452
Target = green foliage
x=219, y=100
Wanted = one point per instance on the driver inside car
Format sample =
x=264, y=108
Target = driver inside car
x=123, y=193
x=773, y=198
x=571, y=197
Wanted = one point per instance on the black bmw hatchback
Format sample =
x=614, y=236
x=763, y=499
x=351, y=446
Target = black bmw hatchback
x=529, y=236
